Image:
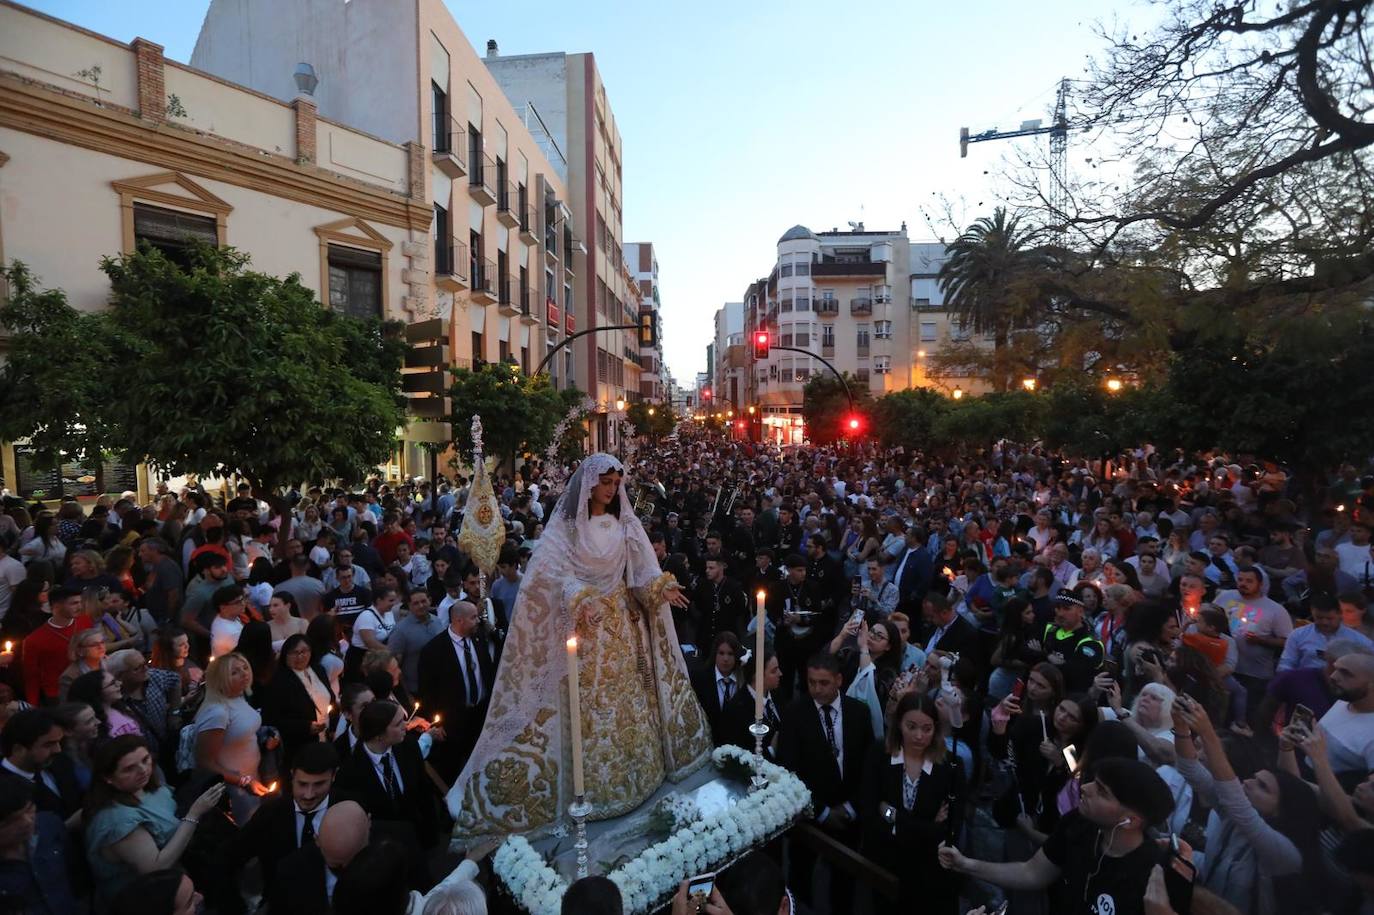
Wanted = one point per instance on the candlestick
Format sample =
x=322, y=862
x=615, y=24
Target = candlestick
x=580, y=810
x=575, y=717
x=759, y=642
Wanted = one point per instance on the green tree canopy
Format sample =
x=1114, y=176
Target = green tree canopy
x=208, y=367
x=824, y=405
x=518, y=410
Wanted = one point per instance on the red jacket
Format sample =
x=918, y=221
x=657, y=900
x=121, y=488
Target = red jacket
x=45, y=657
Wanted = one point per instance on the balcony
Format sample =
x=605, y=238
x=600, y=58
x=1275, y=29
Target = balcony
x=550, y=242
x=507, y=206
x=506, y=289
x=528, y=315
x=861, y=306
x=529, y=225
x=552, y=314
x=828, y=308
x=450, y=147
x=451, y=267
x=483, y=282
x=858, y=268
x=482, y=180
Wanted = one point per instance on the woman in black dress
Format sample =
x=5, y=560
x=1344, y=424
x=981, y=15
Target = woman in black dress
x=913, y=799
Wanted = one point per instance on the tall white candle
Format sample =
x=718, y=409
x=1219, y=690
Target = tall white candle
x=758, y=655
x=575, y=716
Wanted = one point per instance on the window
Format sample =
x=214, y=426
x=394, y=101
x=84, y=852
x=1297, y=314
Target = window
x=502, y=187
x=443, y=251
x=928, y=332
x=882, y=365
x=355, y=282
x=803, y=268
x=478, y=352
x=828, y=336
x=861, y=336
x=525, y=359
x=882, y=329
x=861, y=373
x=803, y=301
x=958, y=331
x=439, y=102
x=786, y=305
x=803, y=339
x=474, y=155
x=919, y=302
x=602, y=365
x=475, y=252
x=786, y=270
x=503, y=350
x=171, y=231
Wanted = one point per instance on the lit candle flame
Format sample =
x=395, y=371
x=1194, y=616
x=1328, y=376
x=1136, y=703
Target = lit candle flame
x=271, y=789
x=9, y=646
x=572, y=643
x=437, y=718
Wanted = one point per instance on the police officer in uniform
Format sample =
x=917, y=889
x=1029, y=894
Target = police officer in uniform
x=1069, y=644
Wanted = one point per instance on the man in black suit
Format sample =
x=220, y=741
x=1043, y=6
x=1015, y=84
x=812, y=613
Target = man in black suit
x=676, y=563
x=387, y=775
x=32, y=744
x=913, y=573
x=456, y=676
x=804, y=625
x=715, y=689
x=719, y=602
x=947, y=630
x=306, y=877
x=824, y=738
x=828, y=575
x=291, y=820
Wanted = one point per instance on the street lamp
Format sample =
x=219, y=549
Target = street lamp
x=730, y=414
x=751, y=410
x=1114, y=385
x=958, y=394
x=1028, y=384
x=651, y=411
x=620, y=405
x=920, y=354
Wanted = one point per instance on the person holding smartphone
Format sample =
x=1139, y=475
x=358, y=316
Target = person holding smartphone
x=1263, y=834
x=914, y=795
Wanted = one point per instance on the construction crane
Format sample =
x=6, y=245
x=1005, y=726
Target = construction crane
x=1059, y=146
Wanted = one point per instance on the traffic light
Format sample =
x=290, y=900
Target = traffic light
x=648, y=329
x=706, y=393
x=760, y=345
x=853, y=425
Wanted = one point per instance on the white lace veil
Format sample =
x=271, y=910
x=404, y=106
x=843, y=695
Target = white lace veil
x=488, y=799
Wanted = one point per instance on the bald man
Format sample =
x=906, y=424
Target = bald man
x=456, y=675
x=1349, y=725
x=306, y=877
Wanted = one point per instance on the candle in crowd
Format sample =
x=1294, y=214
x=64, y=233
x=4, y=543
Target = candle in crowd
x=758, y=655
x=575, y=717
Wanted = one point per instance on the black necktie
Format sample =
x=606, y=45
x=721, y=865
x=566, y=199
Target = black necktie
x=470, y=662
x=770, y=712
x=308, y=829
x=725, y=688
x=38, y=780
x=389, y=777
x=830, y=730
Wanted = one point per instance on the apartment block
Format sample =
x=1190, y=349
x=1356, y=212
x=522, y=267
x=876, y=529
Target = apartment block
x=642, y=261
x=567, y=91
x=105, y=145
x=868, y=302
x=497, y=264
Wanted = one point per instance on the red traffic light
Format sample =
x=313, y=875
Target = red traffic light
x=853, y=424
x=761, y=345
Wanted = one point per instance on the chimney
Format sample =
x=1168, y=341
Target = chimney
x=492, y=49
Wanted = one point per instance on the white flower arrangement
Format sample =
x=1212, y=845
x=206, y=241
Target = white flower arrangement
x=648, y=880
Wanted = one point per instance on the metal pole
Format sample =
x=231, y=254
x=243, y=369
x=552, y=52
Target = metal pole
x=581, y=333
x=826, y=363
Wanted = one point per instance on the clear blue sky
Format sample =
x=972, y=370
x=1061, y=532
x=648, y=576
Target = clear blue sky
x=741, y=119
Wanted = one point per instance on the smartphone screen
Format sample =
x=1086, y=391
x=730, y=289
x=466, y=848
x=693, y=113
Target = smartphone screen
x=701, y=885
x=1018, y=689
x=1302, y=716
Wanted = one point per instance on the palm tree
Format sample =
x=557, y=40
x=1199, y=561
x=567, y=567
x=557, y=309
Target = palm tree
x=982, y=279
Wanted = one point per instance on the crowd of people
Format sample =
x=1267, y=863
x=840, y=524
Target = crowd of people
x=1005, y=679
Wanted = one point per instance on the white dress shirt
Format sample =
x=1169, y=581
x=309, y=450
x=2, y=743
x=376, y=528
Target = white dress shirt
x=48, y=780
x=838, y=720
x=721, y=680
x=318, y=814
x=376, y=759
x=458, y=641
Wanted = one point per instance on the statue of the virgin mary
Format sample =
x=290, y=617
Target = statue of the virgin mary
x=594, y=575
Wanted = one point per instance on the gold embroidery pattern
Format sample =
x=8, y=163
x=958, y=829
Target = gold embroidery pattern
x=635, y=734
